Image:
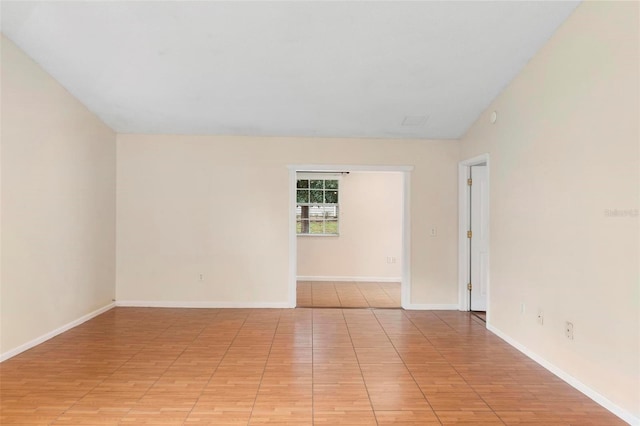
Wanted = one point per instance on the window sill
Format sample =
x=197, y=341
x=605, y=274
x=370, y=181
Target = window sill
x=318, y=235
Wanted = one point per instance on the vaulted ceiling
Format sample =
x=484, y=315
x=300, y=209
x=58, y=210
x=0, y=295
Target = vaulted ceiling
x=322, y=68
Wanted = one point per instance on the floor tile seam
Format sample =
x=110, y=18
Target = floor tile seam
x=310, y=294
x=363, y=296
x=384, y=291
x=217, y=366
x=106, y=378
x=388, y=295
x=170, y=365
x=455, y=369
x=264, y=369
x=337, y=294
x=407, y=367
x=360, y=368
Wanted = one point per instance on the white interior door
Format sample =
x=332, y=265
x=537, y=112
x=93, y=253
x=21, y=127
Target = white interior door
x=479, y=238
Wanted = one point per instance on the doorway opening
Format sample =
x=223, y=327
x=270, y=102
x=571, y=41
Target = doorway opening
x=343, y=286
x=473, y=257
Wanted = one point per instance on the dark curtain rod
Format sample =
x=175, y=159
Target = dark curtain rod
x=321, y=172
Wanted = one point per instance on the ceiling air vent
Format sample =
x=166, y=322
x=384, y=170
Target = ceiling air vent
x=415, y=120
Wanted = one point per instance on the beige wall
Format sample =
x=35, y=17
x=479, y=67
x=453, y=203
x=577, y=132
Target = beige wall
x=371, y=209
x=219, y=206
x=563, y=151
x=58, y=205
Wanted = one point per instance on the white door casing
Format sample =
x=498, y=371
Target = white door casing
x=480, y=238
x=464, y=225
x=405, y=284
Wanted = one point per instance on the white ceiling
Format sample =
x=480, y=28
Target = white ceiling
x=352, y=69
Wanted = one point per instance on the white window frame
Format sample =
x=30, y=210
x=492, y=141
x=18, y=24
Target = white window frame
x=324, y=177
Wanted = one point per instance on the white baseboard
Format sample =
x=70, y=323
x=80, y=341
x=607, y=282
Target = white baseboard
x=35, y=342
x=187, y=304
x=432, y=307
x=600, y=399
x=351, y=279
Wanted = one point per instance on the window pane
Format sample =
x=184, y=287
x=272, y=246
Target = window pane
x=316, y=212
x=331, y=184
x=317, y=184
x=331, y=197
x=331, y=212
x=317, y=209
x=315, y=227
x=316, y=196
x=302, y=196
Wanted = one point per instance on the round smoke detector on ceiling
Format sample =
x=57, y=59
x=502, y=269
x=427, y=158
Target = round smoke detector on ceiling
x=494, y=117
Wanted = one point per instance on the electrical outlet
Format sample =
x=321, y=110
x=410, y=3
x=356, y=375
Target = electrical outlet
x=540, y=318
x=568, y=330
x=434, y=231
x=201, y=277
x=522, y=308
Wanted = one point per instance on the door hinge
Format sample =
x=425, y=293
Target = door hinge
x=468, y=234
x=469, y=181
x=469, y=286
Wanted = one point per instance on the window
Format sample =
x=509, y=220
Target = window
x=317, y=206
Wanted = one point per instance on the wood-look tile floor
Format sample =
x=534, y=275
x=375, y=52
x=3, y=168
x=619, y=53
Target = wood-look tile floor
x=132, y=366
x=480, y=314
x=317, y=294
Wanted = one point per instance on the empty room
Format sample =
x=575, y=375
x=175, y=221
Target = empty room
x=320, y=213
